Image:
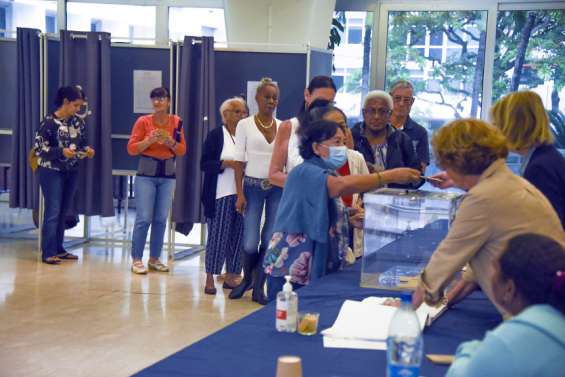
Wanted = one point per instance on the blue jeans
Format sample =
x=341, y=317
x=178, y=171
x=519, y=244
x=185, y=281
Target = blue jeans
x=59, y=188
x=153, y=199
x=257, y=198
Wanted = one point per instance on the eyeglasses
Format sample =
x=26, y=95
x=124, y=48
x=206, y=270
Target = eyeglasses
x=405, y=100
x=159, y=99
x=237, y=112
x=383, y=112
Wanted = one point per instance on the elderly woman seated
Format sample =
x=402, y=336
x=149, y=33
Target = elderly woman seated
x=529, y=283
x=498, y=205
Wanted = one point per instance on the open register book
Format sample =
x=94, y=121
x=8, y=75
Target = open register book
x=364, y=324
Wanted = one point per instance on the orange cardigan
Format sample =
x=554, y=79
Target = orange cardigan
x=143, y=128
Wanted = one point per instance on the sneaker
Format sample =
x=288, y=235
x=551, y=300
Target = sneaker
x=158, y=266
x=138, y=268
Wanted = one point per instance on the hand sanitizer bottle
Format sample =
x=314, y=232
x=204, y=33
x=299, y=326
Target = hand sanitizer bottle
x=287, y=308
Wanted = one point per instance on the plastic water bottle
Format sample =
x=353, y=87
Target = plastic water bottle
x=404, y=343
x=287, y=308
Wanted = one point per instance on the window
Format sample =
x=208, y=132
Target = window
x=352, y=61
x=208, y=22
x=447, y=76
x=36, y=14
x=50, y=23
x=538, y=65
x=354, y=35
x=126, y=23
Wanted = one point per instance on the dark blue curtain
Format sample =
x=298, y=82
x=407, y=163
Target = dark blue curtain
x=197, y=108
x=85, y=61
x=24, y=188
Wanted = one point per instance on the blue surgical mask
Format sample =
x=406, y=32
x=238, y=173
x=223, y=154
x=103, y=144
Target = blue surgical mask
x=337, y=157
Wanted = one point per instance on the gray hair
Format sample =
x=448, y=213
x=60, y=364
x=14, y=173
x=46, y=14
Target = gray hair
x=378, y=94
x=401, y=84
x=266, y=81
x=224, y=106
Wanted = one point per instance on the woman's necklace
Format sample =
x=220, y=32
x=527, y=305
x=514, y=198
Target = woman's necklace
x=262, y=125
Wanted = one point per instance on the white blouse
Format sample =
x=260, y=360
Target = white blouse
x=293, y=157
x=226, y=180
x=252, y=147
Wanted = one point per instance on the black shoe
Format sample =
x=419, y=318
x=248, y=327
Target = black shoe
x=249, y=262
x=259, y=284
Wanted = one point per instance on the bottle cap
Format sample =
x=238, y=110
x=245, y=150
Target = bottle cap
x=287, y=287
x=406, y=297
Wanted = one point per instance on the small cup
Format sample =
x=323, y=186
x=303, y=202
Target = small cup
x=289, y=366
x=308, y=323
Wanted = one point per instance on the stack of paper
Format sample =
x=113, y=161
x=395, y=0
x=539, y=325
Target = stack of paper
x=364, y=324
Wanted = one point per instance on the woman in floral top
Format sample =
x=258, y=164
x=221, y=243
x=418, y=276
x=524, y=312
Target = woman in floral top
x=307, y=217
x=59, y=143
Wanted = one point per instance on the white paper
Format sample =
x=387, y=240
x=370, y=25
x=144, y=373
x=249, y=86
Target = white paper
x=251, y=103
x=330, y=342
x=143, y=83
x=364, y=324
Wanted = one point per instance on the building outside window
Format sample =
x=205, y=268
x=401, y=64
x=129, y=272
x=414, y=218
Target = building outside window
x=37, y=14
x=206, y=22
x=352, y=61
x=126, y=23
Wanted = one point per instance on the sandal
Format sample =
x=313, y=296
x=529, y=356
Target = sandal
x=158, y=266
x=51, y=260
x=138, y=268
x=67, y=256
x=210, y=291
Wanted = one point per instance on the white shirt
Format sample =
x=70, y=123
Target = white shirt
x=226, y=180
x=252, y=147
x=293, y=157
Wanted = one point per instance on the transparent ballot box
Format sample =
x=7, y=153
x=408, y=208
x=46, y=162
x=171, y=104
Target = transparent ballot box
x=402, y=230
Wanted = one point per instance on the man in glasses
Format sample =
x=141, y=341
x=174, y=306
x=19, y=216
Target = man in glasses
x=383, y=146
x=402, y=93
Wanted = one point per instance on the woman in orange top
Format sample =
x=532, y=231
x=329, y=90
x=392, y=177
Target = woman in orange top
x=158, y=139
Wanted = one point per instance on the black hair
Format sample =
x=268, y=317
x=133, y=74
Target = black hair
x=303, y=117
x=536, y=264
x=317, y=82
x=160, y=92
x=317, y=110
x=316, y=132
x=69, y=93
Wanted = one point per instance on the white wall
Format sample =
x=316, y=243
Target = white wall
x=279, y=21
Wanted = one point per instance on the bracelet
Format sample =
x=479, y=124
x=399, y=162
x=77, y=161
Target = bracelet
x=379, y=179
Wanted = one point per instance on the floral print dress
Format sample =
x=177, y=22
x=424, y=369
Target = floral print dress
x=293, y=253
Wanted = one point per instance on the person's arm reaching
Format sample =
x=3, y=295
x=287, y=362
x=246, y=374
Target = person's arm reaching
x=277, y=176
x=351, y=184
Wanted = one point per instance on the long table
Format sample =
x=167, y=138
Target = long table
x=251, y=346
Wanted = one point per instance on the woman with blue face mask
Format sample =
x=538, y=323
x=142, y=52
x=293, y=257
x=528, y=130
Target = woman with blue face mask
x=306, y=216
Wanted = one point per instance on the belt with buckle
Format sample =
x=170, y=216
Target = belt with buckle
x=265, y=184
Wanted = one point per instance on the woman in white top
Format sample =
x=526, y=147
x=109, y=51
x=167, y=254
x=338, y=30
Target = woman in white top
x=254, y=147
x=285, y=153
x=225, y=225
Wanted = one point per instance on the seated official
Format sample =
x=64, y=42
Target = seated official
x=529, y=283
x=498, y=205
x=522, y=119
x=382, y=145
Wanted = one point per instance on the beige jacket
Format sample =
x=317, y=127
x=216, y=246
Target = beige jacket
x=500, y=206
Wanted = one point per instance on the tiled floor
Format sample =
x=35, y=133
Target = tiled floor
x=94, y=318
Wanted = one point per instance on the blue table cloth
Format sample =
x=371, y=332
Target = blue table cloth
x=251, y=346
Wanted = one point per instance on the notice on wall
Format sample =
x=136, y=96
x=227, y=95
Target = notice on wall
x=251, y=91
x=143, y=83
